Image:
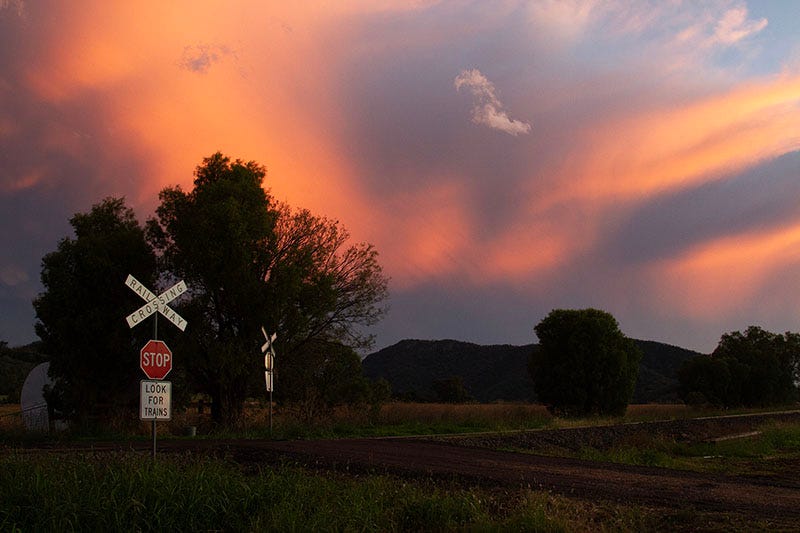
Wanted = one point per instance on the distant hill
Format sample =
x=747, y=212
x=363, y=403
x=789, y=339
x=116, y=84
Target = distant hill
x=500, y=372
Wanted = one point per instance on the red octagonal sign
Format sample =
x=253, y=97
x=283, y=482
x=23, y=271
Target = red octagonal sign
x=155, y=359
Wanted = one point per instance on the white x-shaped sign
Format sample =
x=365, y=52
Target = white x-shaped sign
x=268, y=349
x=155, y=303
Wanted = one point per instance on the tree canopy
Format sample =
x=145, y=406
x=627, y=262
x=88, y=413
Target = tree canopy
x=754, y=368
x=251, y=262
x=93, y=353
x=584, y=364
x=248, y=261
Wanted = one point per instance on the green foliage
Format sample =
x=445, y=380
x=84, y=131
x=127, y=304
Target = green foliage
x=128, y=493
x=451, y=390
x=212, y=238
x=584, y=364
x=93, y=353
x=768, y=449
x=327, y=375
x=657, y=381
x=754, y=368
x=250, y=262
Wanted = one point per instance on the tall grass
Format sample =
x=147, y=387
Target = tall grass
x=128, y=492
x=125, y=492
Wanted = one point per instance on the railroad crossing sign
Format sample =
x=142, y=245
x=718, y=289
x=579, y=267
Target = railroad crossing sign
x=268, y=349
x=155, y=303
x=155, y=359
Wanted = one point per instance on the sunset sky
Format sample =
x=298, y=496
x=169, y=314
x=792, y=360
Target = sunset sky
x=505, y=158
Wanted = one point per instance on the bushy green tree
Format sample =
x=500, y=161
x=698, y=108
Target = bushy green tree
x=754, y=368
x=451, y=390
x=327, y=375
x=93, y=353
x=251, y=262
x=584, y=364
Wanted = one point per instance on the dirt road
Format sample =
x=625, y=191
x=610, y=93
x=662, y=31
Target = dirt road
x=632, y=485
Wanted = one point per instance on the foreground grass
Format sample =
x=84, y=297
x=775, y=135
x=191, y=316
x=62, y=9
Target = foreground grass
x=125, y=492
x=128, y=492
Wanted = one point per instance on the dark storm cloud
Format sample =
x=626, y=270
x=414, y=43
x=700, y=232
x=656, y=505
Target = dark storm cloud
x=56, y=159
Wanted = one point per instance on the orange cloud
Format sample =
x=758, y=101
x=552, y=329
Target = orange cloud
x=180, y=80
x=623, y=162
x=430, y=232
x=265, y=99
x=716, y=278
x=670, y=149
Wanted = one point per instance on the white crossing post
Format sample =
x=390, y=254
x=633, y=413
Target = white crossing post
x=268, y=349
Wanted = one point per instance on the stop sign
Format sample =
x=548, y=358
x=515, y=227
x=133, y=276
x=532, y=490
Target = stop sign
x=155, y=359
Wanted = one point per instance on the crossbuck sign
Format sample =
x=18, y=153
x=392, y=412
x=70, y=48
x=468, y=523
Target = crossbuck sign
x=155, y=303
x=268, y=349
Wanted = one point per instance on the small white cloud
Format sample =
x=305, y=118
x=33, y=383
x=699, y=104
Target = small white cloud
x=735, y=26
x=199, y=58
x=486, y=108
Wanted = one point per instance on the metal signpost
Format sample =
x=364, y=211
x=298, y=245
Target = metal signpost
x=155, y=359
x=268, y=349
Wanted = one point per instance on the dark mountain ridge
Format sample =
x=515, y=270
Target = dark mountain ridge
x=500, y=372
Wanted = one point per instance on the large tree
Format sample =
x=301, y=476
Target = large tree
x=753, y=368
x=93, y=353
x=584, y=364
x=251, y=262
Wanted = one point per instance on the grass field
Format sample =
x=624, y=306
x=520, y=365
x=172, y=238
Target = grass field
x=127, y=491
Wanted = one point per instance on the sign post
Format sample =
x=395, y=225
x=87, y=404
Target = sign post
x=155, y=359
x=268, y=349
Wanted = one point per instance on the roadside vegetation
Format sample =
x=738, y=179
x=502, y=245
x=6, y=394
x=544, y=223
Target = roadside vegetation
x=765, y=451
x=128, y=492
x=115, y=491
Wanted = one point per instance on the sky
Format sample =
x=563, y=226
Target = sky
x=505, y=158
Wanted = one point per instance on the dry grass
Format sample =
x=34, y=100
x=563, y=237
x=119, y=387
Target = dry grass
x=10, y=418
x=511, y=414
x=408, y=417
x=392, y=418
x=654, y=411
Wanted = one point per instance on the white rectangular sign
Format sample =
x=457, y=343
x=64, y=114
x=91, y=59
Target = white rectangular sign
x=156, y=400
